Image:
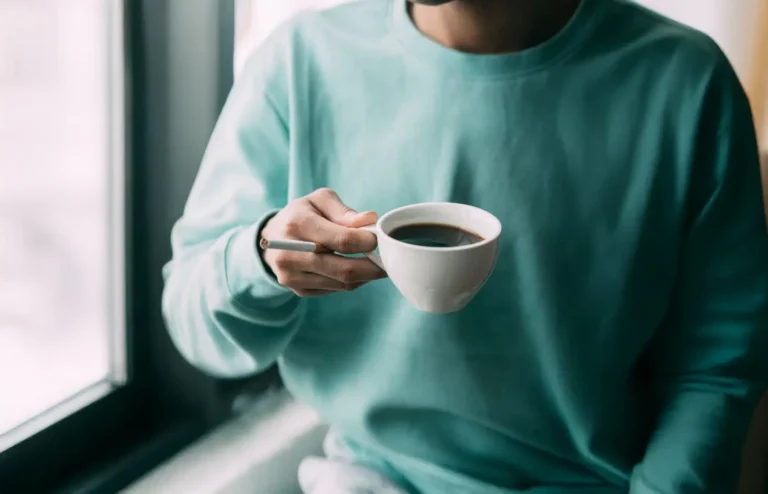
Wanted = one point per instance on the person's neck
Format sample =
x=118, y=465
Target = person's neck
x=493, y=26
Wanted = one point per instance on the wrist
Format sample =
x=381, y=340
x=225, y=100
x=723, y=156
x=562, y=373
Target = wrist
x=259, y=244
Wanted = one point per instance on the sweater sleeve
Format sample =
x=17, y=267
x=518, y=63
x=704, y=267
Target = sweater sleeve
x=709, y=360
x=224, y=311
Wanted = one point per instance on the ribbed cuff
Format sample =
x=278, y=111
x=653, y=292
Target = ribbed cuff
x=245, y=269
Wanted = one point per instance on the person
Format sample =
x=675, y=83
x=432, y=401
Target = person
x=619, y=344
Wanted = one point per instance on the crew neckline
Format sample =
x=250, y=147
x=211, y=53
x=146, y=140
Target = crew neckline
x=465, y=64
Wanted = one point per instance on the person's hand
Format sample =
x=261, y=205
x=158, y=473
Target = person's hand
x=322, y=218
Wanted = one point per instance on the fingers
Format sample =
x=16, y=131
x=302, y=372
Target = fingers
x=334, y=237
x=309, y=292
x=322, y=218
x=316, y=274
x=328, y=203
x=311, y=283
x=345, y=270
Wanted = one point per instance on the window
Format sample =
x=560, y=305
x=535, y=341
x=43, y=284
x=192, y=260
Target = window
x=62, y=337
x=105, y=110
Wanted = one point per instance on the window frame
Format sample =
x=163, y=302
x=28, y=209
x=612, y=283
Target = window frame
x=166, y=403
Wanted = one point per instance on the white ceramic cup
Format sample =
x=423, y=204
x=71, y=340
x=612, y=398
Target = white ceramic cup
x=437, y=279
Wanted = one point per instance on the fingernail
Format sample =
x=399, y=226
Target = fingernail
x=365, y=213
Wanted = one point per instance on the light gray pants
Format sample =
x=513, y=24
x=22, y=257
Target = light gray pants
x=337, y=474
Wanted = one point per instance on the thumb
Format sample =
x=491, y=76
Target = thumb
x=354, y=219
x=328, y=204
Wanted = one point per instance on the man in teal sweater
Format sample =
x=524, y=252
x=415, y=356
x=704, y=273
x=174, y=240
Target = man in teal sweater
x=620, y=343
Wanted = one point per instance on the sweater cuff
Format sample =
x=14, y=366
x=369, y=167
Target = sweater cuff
x=245, y=269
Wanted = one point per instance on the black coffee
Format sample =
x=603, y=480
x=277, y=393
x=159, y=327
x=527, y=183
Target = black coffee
x=434, y=235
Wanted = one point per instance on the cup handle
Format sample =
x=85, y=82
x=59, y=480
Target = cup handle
x=373, y=255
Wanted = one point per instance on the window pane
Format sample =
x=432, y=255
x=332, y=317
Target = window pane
x=56, y=203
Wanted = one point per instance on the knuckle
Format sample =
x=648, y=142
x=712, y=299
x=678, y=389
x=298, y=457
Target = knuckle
x=282, y=260
x=347, y=273
x=324, y=193
x=301, y=204
x=293, y=226
x=285, y=278
x=346, y=242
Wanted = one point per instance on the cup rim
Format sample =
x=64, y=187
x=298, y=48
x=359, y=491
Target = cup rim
x=457, y=248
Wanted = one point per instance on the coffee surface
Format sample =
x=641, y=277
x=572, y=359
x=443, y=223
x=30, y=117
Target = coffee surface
x=434, y=235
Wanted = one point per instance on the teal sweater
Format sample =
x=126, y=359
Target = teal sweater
x=619, y=345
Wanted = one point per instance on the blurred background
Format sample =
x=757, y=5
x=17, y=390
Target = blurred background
x=105, y=110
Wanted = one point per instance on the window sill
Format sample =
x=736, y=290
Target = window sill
x=258, y=451
x=56, y=413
